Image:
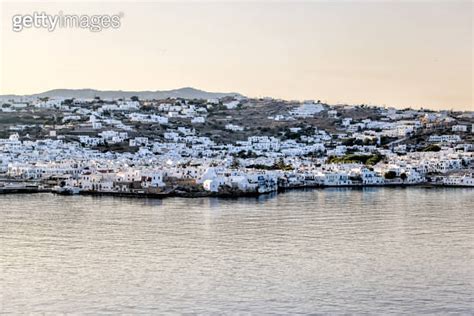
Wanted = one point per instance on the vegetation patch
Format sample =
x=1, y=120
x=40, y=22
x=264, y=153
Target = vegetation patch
x=432, y=147
x=369, y=160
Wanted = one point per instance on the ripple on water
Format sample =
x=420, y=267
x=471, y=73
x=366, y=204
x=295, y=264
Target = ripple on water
x=376, y=251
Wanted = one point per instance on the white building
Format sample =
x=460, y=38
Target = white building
x=444, y=138
x=307, y=110
x=235, y=128
x=198, y=120
x=459, y=128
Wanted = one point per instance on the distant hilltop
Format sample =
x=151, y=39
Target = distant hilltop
x=185, y=93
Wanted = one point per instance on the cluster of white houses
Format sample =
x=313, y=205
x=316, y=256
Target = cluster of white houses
x=184, y=160
x=158, y=167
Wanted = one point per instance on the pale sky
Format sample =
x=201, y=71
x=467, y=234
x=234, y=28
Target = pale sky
x=394, y=53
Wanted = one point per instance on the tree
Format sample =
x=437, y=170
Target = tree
x=390, y=175
x=282, y=166
x=98, y=100
x=134, y=98
x=348, y=141
x=68, y=101
x=432, y=147
x=235, y=164
x=403, y=176
x=374, y=159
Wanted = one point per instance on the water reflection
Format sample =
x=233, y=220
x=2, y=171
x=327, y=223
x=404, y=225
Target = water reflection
x=373, y=250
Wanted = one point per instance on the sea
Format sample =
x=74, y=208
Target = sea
x=372, y=251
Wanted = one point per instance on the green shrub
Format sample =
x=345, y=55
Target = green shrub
x=369, y=160
x=432, y=147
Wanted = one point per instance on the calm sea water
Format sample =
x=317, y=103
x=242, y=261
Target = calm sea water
x=333, y=251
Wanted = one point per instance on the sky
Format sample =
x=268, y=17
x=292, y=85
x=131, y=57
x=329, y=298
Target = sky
x=393, y=53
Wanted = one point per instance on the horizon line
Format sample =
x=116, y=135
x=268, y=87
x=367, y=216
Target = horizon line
x=334, y=103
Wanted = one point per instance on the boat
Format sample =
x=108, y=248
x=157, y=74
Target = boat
x=67, y=190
